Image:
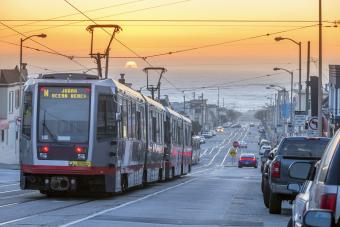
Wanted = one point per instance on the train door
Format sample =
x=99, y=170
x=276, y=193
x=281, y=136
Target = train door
x=168, y=147
x=105, y=152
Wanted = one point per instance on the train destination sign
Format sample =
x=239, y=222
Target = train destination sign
x=64, y=93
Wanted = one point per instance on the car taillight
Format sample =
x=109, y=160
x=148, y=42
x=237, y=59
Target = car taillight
x=44, y=149
x=79, y=150
x=328, y=202
x=276, y=167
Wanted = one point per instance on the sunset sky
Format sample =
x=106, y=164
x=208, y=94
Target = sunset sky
x=220, y=64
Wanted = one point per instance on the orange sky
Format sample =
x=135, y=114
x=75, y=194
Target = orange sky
x=156, y=37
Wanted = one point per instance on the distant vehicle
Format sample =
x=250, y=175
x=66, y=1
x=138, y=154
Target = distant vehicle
x=236, y=144
x=251, y=125
x=291, y=149
x=264, y=157
x=236, y=126
x=202, y=139
x=247, y=160
x=325, y=178
x=219, y=129
x=264, y=142
x=243, y=144
x=264, y=148
x=196, y=149
x=207, y=135
x=213, y=132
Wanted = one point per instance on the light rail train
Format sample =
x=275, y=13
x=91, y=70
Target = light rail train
x=82, y=133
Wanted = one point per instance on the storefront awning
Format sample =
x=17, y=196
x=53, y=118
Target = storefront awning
x=4, y=124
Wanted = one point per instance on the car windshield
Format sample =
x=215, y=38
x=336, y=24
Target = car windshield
x=64, y=114
x=303, y=148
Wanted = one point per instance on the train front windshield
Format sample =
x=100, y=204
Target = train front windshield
x=64, y=114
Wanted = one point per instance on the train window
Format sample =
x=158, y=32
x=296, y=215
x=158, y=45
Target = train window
x=106, y=124
x=124, y=120
x=133, y=120
x=167, y=131
x=154, y=129
x=138, y=126
x=27, y=115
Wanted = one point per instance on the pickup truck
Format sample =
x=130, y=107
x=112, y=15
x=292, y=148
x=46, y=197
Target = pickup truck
x=290, y=150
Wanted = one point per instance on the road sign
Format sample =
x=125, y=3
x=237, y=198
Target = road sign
x=300, y=120
x=313, y=123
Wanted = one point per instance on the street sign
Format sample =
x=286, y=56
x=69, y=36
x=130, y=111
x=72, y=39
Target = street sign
x=313, y=123
x=300, y=120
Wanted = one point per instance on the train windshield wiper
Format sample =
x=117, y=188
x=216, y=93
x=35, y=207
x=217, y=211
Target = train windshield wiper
x=48, y=129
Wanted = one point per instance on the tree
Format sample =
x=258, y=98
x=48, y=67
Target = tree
x=261, y=114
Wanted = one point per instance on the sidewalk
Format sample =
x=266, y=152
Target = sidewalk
x=9, y=166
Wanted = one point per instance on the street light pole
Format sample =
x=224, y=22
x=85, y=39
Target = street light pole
x=300, y=63
x=320, y=72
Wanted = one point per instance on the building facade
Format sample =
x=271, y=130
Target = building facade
x=9, y=115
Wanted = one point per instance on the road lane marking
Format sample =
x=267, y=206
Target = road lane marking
x=7, y=205
x=124, y=204
x=10, y=191
x=225, y=157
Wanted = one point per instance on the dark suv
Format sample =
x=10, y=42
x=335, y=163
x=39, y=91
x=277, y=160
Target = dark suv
x=291, y=149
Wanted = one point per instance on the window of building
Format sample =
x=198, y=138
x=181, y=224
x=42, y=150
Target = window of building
x=10, y=101
x=17, y=99
x=27, y=115
x=106, y=124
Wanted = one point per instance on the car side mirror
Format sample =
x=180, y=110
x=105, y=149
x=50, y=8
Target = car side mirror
x=318, y=218
x=294, y=188
x=300, y=170
x=271, y=156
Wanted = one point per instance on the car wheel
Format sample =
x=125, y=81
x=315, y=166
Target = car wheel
x=274, y=203
x=290, y=223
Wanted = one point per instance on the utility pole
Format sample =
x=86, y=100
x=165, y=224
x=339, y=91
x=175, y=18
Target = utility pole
x=218, y=105
x=184, y=102
x=307, y=80
x=300, y=77
x=202, y=105
x=320, y=72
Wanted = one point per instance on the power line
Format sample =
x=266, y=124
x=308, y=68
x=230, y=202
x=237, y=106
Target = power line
x=50, y=49
x=72, y=14
x=111, y=15
x=227, y=42
x=120, y=42
x=170, y=20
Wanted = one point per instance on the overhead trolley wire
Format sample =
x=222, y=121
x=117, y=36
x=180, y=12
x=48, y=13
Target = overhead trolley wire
x=120, y=42
x=50, y=49
x=117, y=14
x=72, y=14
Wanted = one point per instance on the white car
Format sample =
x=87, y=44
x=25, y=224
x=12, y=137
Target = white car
x=243, y=144
x=264, y=148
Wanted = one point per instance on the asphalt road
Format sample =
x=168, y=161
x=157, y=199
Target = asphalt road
x=214, y=194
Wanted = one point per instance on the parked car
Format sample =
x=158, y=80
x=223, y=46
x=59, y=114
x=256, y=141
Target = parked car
x=207, y=135
x=236, y=144
x=291, y=149
x=202, y=139
x=247, y=160
x=264, y=157
x=243, y=144
x=264, y=182
x=325, y=188
x=213, y=132
x=264, y=142
x=264, y=148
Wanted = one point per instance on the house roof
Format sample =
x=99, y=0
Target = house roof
x=9, y=76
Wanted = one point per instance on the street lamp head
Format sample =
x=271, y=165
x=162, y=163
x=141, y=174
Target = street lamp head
x=276, y=69
x=268, y=88
x=277, y=39
x=42, y=35
x=271, y=85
